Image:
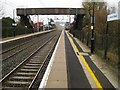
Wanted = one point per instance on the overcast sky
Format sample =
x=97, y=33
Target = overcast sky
x=10, y=5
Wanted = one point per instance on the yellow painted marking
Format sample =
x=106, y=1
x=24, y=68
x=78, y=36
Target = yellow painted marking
x=86, y=64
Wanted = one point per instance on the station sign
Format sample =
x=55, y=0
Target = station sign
x=14, y=24
x=113, y=17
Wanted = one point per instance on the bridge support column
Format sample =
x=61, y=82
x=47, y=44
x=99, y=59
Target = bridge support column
x=25, y=21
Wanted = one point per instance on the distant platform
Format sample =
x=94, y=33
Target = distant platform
x=8, y=39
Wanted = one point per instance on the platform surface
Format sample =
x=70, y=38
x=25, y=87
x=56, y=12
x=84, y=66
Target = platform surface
x=58, y=74
x=75, y=67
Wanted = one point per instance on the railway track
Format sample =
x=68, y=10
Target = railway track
x=6, y=54
x=17, y=50
x=13, y=61
x=25, y=74
x=10, y=49
x=24, y=41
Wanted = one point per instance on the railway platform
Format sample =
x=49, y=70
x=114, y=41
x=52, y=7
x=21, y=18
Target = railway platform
x=8, y=39
x=73, y=66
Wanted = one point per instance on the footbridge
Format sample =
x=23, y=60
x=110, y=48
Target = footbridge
x=25, y=12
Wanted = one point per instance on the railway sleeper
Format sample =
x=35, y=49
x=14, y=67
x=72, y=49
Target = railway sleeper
x=35, y=59
x=17, y=84
x=22, y=78
x=32, y=67
x=14, y=88
x=32, y=64
x=39, y=60
x=28, y=70
x=25, y=74
x=35, y=62
x=19, y=80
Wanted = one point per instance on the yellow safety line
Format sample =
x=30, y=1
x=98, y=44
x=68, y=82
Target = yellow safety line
x=86, y=64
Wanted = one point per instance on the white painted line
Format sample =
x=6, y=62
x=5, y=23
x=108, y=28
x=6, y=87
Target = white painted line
x=84, y=53
x=47, y=72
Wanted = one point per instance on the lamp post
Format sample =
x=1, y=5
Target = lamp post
x=38, y=23
x=69, y=18
x=25, y=29
x=106, y=36
x=14, y=24
x=48, y=24
x=92, y=28
x=43, y=26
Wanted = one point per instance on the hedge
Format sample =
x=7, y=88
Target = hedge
x=9, y=31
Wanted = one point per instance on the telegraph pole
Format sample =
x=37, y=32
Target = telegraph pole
x=48, y=22
x=38, y=23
